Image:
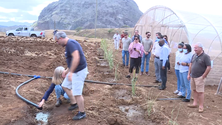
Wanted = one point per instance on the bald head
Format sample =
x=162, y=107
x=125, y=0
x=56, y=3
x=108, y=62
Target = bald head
x=161, y=42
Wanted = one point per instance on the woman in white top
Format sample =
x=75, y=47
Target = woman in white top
x=184, y=62
x=179, y=54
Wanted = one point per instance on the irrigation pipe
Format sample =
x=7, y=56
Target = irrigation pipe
x=88, y=81
x=24, y=99
x=36, y=77
x=162, y=99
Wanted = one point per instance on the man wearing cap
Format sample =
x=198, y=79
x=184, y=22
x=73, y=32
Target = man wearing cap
x=75, y=74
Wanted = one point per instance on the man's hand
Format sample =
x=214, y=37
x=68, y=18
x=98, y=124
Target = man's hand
x=183, y=64
x=64, y=74
x=203, y=76
x=70, y=76
x=188, y=77
x=163, y=67
x=178, y=63
x=146, y=53
x=42, y=103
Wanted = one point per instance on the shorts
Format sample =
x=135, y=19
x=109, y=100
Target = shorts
x=77, y=82
x=197, y=84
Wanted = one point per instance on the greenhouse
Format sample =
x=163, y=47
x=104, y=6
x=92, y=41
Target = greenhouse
x=183, y=26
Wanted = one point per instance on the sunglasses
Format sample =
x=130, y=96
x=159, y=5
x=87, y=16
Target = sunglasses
x=136, y=39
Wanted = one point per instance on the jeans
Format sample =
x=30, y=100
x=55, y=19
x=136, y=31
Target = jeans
x=163, y=74
x=185, y=85
x=177, y=72
x=147, y=58
x=59, y=91
x=125, y=54
x=157, y=65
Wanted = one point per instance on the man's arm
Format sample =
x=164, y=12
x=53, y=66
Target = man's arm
x=151, y=47
x=206, y=72
x=75, y=61
x=189, y=72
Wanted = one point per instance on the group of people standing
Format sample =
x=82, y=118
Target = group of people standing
x=139, y=50
x=190, y=69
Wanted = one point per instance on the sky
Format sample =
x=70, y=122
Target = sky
x=29, y=10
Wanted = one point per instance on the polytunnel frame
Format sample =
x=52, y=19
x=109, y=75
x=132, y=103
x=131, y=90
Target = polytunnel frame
x=182, y=22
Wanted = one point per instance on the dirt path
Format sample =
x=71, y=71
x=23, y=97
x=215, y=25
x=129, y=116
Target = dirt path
x=104, y=104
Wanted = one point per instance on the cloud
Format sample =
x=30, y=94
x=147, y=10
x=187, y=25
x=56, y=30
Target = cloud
x=37, y=10
x=4, y=10
x=22, y=10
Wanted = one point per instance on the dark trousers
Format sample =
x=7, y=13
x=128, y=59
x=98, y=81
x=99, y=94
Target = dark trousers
x=163, y=74
x=168, y=66
x=135, y=62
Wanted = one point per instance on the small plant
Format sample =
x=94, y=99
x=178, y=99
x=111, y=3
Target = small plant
x=78, y=29
x=133, y=81
x=108, y=55
x=173, y=121
x=110, y=31
x=116, y=69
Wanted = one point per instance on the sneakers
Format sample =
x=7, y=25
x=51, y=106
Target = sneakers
x=156, y=81
x=79, y=115
x=141, y=73
x=186, y=100
x=179, y=94
x=72, y=107
x=128, y=76
x=147, y=73
x=176, y=92
x=58, y=103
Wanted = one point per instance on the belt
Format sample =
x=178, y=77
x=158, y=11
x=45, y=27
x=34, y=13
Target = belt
x=157, y=57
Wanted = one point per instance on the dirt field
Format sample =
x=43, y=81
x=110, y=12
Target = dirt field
x=105, y=105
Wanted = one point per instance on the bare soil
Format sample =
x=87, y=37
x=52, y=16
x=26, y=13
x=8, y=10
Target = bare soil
x=104, y=104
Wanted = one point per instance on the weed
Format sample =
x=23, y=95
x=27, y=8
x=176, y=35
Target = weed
x=133, y=81
x=116, y=69
x=173, y=121
x=110, y=31
x=78, y=29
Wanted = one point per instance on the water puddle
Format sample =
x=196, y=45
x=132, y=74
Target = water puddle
x=42, y=118
x=131, y=111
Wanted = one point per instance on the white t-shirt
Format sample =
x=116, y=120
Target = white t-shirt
x=116, y=37
x=177, y=59
x=186, y=58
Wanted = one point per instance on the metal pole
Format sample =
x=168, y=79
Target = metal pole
x=96, y=19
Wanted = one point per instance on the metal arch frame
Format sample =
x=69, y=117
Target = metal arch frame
x=215, y=30
x=166, y=8
x=212, y=42
x=182, y=21
x=199, y=32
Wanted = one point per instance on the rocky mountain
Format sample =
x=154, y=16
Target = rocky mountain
x=72, y=14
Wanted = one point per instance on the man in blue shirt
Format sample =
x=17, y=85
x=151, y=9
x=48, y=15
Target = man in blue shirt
x=76, y=73
x=164, y=52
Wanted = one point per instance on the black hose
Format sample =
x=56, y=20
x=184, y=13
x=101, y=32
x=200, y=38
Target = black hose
x=89, y=81
x=24, y=99
x=98, y=82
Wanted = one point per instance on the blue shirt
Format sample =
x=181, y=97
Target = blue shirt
x=139, y=36
x=72, y=46
x=164, y=53
x=157, y=40
x=48, y=92
x=185, y=58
